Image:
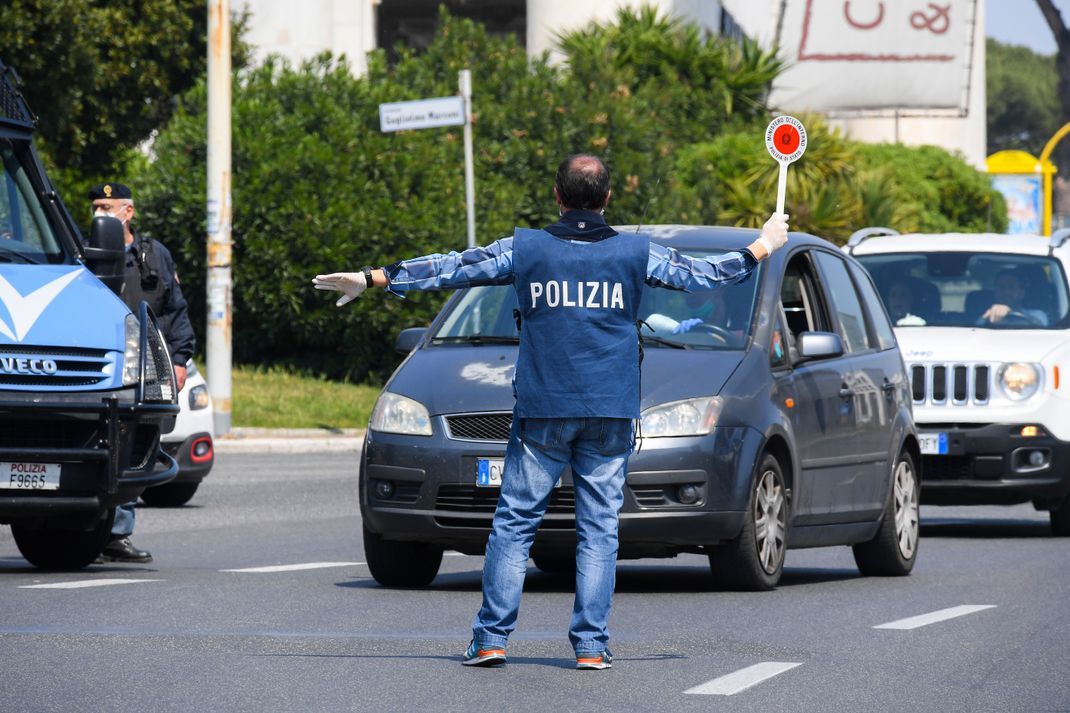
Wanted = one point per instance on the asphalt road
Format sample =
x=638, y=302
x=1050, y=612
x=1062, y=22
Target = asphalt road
x=186, y=634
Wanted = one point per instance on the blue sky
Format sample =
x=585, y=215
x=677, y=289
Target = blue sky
x=1019, y=22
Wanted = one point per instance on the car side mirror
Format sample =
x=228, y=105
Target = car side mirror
x=819, y=345
x=408, y=339
x=105, y=256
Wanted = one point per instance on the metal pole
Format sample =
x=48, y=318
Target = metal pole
x=464, y=78
x=219, y=347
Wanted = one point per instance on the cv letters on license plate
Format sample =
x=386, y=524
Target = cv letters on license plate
x=489, y=472
x=29, y=476
x=933, y=444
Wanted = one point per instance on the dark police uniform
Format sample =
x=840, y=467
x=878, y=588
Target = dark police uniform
x=151, y=276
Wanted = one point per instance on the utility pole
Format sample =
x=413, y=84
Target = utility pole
x=464, y=80
x=218, y=210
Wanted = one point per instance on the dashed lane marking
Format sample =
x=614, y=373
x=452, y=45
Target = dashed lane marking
x=295, y=567
x=732, y=683
x=915, y=622
x=82, y=583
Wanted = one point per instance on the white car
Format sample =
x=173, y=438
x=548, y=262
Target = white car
x=982, y=321
x=189, y=443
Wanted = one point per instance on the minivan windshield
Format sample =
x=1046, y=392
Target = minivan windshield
x=959, y=289
x=26, y=236
x=716, y=319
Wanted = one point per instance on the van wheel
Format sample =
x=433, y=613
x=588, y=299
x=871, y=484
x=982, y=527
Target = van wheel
x=1060, y=518
x=754, y=561
x=893, y=551
x=401, y=564
x=555, y=565
x=54, y=548
x=169, y=495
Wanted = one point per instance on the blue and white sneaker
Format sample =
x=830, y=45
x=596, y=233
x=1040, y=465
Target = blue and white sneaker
x=594, y=661
x=485, y=656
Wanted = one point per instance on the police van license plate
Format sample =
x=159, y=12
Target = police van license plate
x=933, y=444
x=30, y=476
x=489, y=472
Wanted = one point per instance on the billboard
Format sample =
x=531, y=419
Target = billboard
x=874, y=55
x=1025, y=206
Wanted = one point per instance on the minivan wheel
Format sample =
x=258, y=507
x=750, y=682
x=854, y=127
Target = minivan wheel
x=893, y=551
x=55, y=548
x=401, y=564
x=755, y=560
x=1060, y=518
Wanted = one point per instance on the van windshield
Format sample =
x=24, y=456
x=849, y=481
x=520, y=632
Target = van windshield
x=958, y=289
x=26, y=236
x=717, y=319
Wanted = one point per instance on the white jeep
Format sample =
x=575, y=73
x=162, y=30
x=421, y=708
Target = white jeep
x=983, y=323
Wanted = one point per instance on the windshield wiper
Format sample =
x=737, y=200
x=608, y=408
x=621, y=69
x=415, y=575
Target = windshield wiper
x=477, y=339
x=663, y=342
x=9, y=254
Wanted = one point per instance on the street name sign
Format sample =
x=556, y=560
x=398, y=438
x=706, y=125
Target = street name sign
x=422, y=114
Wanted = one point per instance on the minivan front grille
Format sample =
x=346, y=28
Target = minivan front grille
x=473, y=499
x=28, y=367
x=480, y=426
x=950, y=384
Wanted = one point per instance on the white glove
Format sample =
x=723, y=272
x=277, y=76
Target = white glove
x=350, y=284
x=774, y=233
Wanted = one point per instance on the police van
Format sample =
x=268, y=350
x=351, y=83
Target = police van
x=86, y=387
x=983, y=321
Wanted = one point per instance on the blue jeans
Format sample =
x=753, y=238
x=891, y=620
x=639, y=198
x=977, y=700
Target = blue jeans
x=538, y=451
x=124, y=520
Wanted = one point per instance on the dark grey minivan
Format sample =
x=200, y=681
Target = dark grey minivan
x=776, y=414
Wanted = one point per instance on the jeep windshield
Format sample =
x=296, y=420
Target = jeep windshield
x=715, y=319
x=26, y=236
x=959, y=289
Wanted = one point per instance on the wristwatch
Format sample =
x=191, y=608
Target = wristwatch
x=367, y=270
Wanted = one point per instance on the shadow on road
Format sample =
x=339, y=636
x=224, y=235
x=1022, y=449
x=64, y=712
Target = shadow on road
x=971, y=528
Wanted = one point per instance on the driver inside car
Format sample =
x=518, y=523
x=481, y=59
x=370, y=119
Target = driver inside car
x=1008, y=301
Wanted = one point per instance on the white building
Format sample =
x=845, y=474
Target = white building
x=904, y=112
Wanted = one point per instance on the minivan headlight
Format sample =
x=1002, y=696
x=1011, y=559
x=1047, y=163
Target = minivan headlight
x=1019, y=380
x=692, y=417
x=394, y=413
x=132, y=351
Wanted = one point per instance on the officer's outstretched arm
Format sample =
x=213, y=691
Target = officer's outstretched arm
x=774, y=236
x=350, y=284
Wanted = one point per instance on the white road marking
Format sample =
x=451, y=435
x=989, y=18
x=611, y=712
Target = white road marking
x=457, y=554
x=914, y=622
x=79, y=584
x=295, y=567
x=741, y=680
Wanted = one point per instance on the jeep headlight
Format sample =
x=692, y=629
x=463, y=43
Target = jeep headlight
x=132, y=351
x=1019, y=380
x=394, y=413
x=692, y=417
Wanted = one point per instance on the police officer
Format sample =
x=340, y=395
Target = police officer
x=150, y=276
x=579, y=284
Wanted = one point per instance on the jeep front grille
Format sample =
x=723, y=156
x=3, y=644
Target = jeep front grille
x=954, y=384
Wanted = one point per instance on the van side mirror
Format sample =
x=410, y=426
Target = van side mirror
x=408, y=339
x=819, y=345
x=105, y=256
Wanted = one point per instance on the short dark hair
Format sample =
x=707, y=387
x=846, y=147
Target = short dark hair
x=582, y=182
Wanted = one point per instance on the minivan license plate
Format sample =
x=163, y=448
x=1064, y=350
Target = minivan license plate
x=489, y=472
x=933, y=444
x=30, y=476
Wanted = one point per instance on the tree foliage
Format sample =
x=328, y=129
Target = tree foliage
x=1023, y=103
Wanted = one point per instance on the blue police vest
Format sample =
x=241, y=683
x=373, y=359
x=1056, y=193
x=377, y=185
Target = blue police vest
x=579, y=353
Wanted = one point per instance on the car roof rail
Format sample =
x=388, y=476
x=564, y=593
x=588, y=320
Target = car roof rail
x=1058, y=238
x=859, y=235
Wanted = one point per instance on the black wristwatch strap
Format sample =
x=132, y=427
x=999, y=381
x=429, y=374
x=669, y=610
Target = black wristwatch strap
x=367, y=270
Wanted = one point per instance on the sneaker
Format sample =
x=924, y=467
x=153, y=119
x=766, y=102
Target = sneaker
x=122, y=550
x=483, y=656
x=594, y=661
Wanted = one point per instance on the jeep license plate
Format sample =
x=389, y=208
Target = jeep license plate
x=30, y=476
x=933, y=444
x=489, y=472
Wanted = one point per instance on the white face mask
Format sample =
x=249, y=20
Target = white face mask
x=100, y=212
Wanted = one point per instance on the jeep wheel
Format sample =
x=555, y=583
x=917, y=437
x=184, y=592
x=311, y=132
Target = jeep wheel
x=1060, y=518
x=893, y=551
x=555, y=565
x=169, y=495
x=53, y=548
x=401, y=564
x=755, y=560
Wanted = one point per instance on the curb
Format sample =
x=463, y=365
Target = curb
x=291, y=440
